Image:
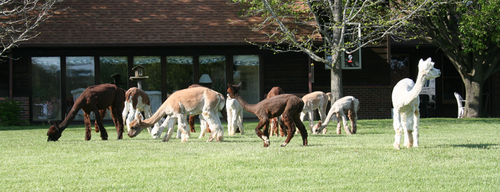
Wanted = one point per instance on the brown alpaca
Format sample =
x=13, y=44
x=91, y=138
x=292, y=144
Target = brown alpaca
x=275, y=121
x=97, y=99
x=287, y=105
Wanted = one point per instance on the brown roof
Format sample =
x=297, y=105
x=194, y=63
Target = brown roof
x=128, y=22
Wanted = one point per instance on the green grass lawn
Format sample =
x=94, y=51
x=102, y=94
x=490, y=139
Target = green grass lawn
x=454, y=155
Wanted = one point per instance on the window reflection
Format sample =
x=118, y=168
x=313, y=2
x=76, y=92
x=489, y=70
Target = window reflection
x=152, y=69
x=46, y=92
x=80, y=74
x=179, y=73
x=215, y=67
x=246, y=71
x=114, y=70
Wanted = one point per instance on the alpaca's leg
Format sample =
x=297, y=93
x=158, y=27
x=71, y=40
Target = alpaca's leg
x=148, y=113
x=157, y=130
x=290, y=127
x=214, y=124
x=416, y=122
x=239, y=119
x=86, y=119
x=182, y=126
x=353, y=117
x=101, y=114
x=263, y=122
x=170, y=125
x=322, y=117
x=339, y=123
x=311, y=118
x=397, y=128
x=104, y=133
x=301, y=128
x=203, y=126
x=407, y=122
x=115, y=115
x=231, y=117
x=125, y=114
x=191, y=123
x=344, y=121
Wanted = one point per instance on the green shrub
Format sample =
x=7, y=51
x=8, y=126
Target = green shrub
x=10, y=112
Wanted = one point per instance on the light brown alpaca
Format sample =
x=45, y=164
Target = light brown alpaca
x=193, y=101
x=312, y=101
x=287, y=105
x=97, y=99
x=275, y=121
x=345, y=105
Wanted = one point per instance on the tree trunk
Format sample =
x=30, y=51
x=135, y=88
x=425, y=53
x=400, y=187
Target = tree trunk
x=336, y=81
x=473, y=96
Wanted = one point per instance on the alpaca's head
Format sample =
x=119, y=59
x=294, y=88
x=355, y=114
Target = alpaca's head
x=233, y=90
x=135, y=129
x=54, y=132
x=316, y=127
x=426, y=68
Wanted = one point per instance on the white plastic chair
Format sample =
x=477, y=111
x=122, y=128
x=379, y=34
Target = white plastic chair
x=461, y=107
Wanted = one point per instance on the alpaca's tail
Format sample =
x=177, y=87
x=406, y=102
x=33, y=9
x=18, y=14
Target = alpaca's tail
x=329, y=95
x=222, y=101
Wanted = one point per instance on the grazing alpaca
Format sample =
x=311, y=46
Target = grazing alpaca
x=405, y=101
x=287, y=105
x=275, y=121
x=347, y=104
x=312, y=101
x=179, y=105
x=97, y=99
x=136, y=100
x=234, y=115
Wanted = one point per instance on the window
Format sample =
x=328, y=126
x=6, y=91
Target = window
x=80, y=74
x=152, y=69
x=114, y=70
x=46, y=88
x=213, y=68
x=179, y=73
x=246, y=71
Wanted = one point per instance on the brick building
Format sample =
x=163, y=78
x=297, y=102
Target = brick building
x=177, y=41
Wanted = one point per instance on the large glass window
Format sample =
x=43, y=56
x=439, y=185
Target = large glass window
x=46, y=88
x=80, y=74
x=114, y=70
x=179, y=73
x=246, y=71
x=213, y=72
x=152, y=69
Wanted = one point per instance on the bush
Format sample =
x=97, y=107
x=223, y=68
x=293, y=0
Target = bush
x=10, y=112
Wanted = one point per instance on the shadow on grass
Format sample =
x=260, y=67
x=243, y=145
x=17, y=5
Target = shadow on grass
x=473, y=146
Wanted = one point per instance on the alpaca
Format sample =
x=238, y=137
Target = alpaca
x=312, y=101
x=287, y=105
x=234, y=115
x=405, y=101
x=347, y=104
x=97, y=99
x=275, y=121
x=193, y=101
x=136, y=100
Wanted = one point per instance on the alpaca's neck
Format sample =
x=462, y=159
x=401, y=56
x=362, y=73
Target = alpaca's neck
x=327, y=120
x=416, y=89
x=154, y=118
x=70, y=117
x=247, y=107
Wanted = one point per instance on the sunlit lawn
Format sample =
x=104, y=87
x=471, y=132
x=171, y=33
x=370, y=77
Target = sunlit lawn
x=454, y=155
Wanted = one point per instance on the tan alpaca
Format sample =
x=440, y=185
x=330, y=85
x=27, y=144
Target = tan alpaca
x=345, y=105
x=312, y=101
x=405, y=102
x=179, y=105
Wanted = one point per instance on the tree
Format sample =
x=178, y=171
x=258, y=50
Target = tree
x=19, y=18
x=320, y=27
x=468, y=33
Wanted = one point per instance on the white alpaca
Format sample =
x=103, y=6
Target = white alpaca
x=179, y=105
x=312, y=101
x=405, y=101
x=234, y=115
x=347, y=104
x=136, y=101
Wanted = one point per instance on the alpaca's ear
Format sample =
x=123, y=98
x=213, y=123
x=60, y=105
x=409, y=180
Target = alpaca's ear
x=239, y=85
x=50, y=122
x=139, y=118
x=228, y=85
